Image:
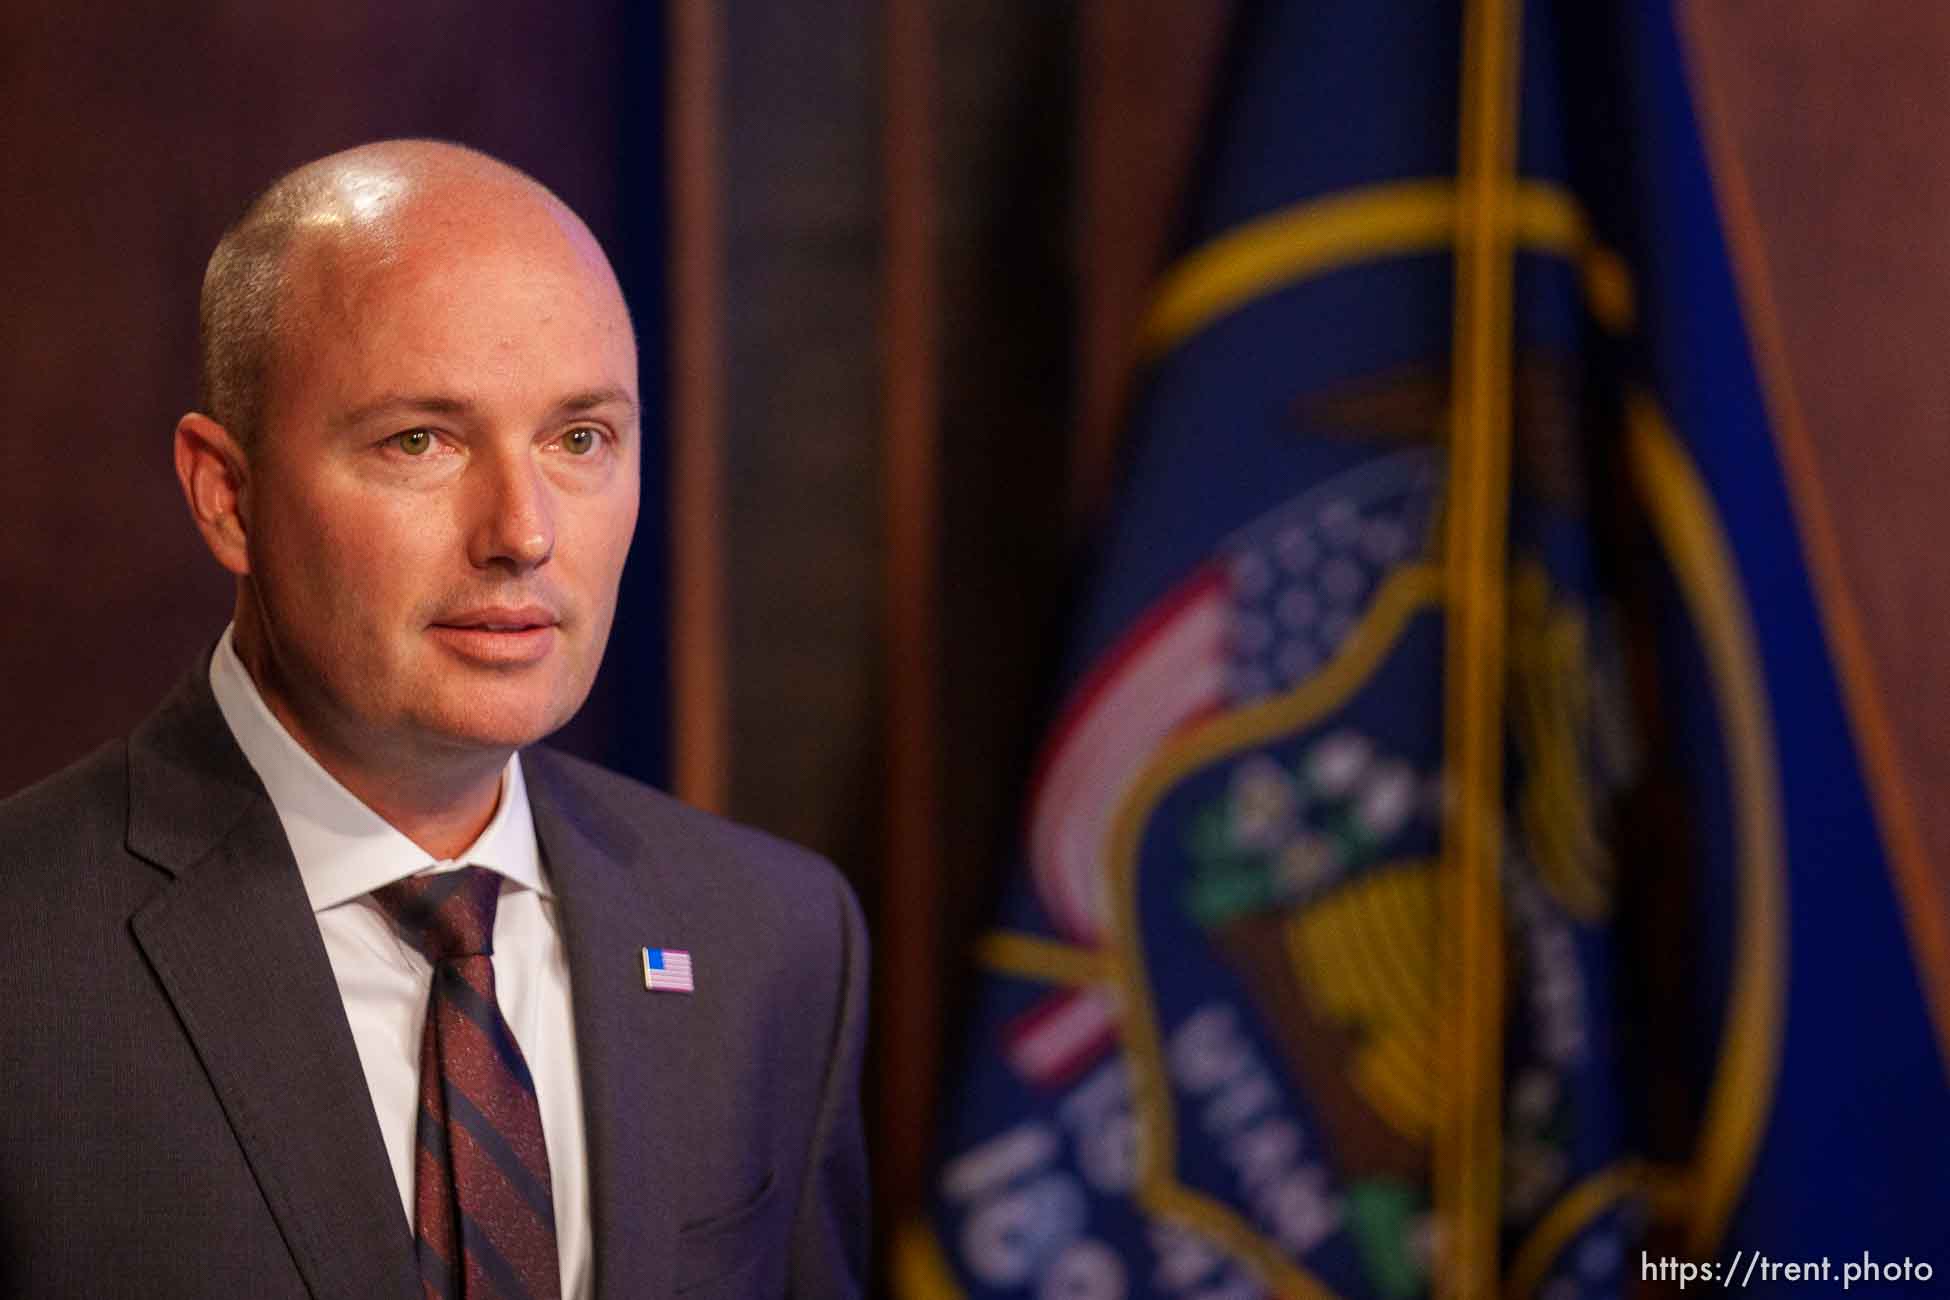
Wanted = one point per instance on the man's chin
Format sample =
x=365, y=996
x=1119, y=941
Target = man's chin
x=494, y=727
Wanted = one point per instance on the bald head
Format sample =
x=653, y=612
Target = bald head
x=363, y=205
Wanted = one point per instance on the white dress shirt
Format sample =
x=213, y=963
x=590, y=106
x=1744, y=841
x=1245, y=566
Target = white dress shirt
x=344, y=852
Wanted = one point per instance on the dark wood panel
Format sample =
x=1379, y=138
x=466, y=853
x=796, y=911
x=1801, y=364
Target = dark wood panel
x=1832, y=173
x=699, y=673
x=909, y=903
x=1146, y=71
x=800, y=241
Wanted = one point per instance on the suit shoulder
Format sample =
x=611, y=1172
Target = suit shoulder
x=63, y=855
x=82, y=807
x=755, y=859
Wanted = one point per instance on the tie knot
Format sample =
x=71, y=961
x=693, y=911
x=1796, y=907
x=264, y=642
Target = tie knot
x=446, y=915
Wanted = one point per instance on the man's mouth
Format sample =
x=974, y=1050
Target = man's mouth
x=501, y=619
x=499, y=636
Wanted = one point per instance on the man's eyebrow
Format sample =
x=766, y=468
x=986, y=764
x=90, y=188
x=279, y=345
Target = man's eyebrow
x=446, y=404
x=400, y=403
x=589, y=400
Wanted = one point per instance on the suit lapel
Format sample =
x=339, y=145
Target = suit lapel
x=234, y=944
x=635, y=1049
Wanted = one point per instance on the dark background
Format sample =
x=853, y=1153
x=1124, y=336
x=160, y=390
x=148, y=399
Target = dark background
x=1052, y=139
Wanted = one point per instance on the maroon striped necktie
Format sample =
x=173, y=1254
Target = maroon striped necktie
x=484, y=1215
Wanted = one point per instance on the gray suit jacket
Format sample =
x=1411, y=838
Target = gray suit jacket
x=183, y=1113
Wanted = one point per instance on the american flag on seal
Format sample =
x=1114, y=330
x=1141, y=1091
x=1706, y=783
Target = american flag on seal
x=1264, y=613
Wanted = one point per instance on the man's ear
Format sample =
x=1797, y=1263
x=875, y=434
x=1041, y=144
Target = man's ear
x=215, y=478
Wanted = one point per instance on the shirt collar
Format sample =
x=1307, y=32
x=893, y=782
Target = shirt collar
x=344, y=849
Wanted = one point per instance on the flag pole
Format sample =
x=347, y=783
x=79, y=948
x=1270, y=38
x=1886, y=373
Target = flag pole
x=1469, y=1140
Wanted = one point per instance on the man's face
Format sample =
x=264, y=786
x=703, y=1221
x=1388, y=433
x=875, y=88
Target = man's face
x=444, y=487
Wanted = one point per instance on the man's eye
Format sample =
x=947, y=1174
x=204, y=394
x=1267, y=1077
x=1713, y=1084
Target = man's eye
x=414, y=442
x=580, y=442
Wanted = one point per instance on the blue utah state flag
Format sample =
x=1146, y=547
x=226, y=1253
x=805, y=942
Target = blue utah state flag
x=1263, y=1015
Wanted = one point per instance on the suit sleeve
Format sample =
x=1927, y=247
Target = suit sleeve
x=832, y=1226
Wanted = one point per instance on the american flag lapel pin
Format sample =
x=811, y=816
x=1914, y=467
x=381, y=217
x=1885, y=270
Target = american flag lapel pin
x=667, y=970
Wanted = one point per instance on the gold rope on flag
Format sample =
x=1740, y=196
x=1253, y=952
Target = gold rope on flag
x=1468, y=1144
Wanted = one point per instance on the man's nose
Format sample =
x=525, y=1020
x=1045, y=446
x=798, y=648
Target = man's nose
x=515, y=524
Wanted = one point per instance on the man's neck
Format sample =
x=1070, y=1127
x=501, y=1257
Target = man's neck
x=442, y=817
x=441, y=801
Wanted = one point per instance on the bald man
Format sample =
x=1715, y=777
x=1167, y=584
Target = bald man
x=330, y=981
